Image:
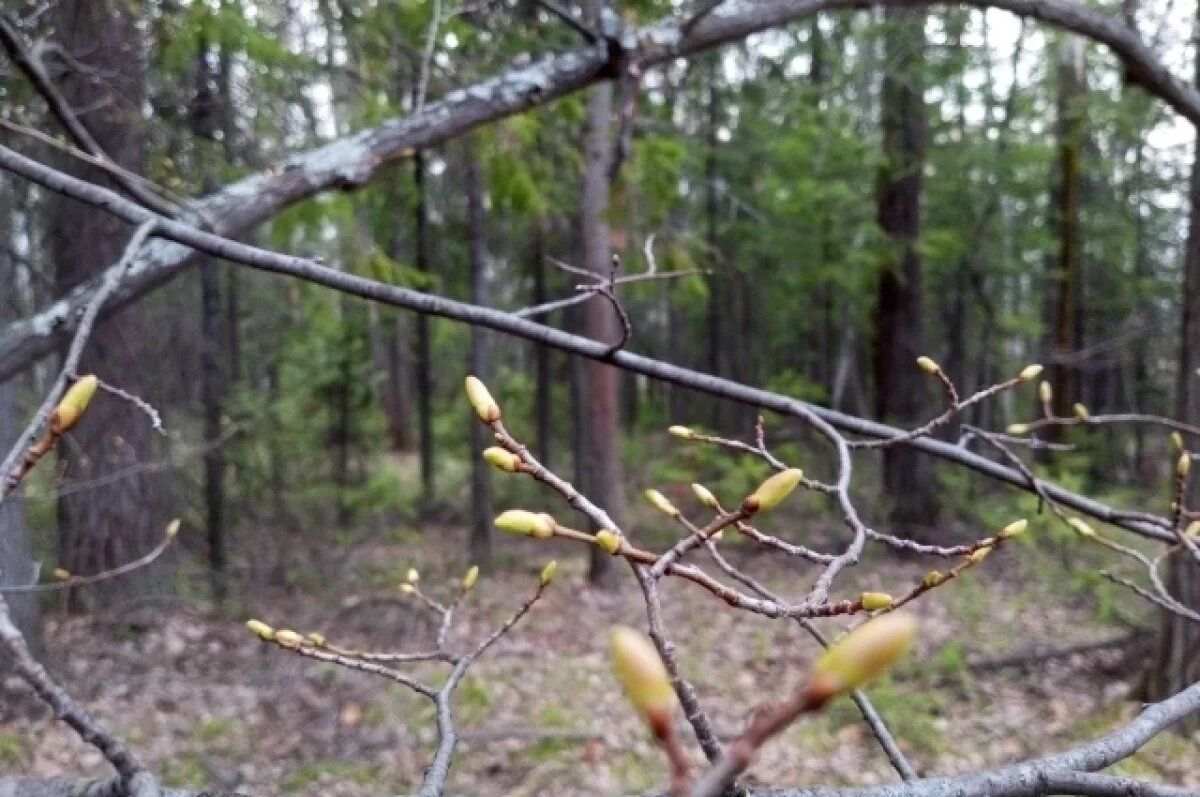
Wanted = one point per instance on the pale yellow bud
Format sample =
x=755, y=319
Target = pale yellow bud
x=1045, y=392
x=1014, y=529
x=863, y=654
x=1184, y=465
x=927, y=365
x=173, y=529
x=933, y=578
x=62, y=575
x=470, y=578
x=317, y=639
x=772, y=491
x=608, y=541
x=978, y=555
x=1081, y=412
x=548, y=573
x=660, y=502
x=261, y=629
x=519, y=521
x=1082, y=527
x=643, y=677
x=408, y=589
x=704, y=496
x=287, y=638
x=412, y=577
x=1030, y=372
x=874, y=601
x=481, y=400
x=1176, y=442
x=682, y=432
x=73, y=404
x=1193, y=529
x=1017, y=428
x=502, y=459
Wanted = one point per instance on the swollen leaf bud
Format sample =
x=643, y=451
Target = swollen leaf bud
x=704, y=496
x=1030, y=372
x=73, y=404
x=644, y=677
x=1014, y=529
x=1045, y=392
x=978, y=555
x=682, y=432
x=608, y=541
x=62, y=575
x=1017, y=428
x=661, y=503
x=772, y=491
x=1081, y=412
x=1082, y=527
x=874, y=601
x=172, y=529
x=287, y=638
x=470, y=578
x=485, y=406
x=317, y=639
x=861, y=655
x=927, y=365
x=1193, y=529
x=519, y=521
x=1184, y=465
x=261, y=629
x=933, y=578
x=412, y=577
x=502, y=459
x=408, y=589
x=548, y=572
x=1176, y=442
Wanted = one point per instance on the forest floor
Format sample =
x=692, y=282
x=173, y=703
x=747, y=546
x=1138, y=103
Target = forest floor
x=206, y=704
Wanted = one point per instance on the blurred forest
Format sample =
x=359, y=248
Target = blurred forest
x=808, y=210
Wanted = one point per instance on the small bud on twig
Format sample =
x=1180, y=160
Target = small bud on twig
x=644, y=677
x=862, y=655
x=1081, y=412
x=1193, y=529
x=519, y=521
x=1045, y=392
x=1184, y=465
x=1176, y=442
x=661, y=503
x=927, y=365
x=978, y=555
x=933, y=578
x=173, y=529
x=874, y=601
x=288, y=638
x=317, y=639
x=73, y=404
x=608, y=541
x=408, y=589
x=470, y=578
x=548, y=572
x=772, y=491
x=1017, y=428
x=1082, y=527
x=62, y=575
x=412, y=576
x=704, y=496
x=485, y=406
x=261, y=629
x=1014, y=529
x=1030, y=372
x=502, y=459
x=682, y=432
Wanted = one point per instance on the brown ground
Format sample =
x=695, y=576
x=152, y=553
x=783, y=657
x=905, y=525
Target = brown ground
x=207, y=705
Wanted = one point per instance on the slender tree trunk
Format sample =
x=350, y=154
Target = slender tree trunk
x=116, y=521
x=543, y=400
x=1176, y=663
x=602, y=422
x=424, y=362
x=481, y=472
x=900, y=387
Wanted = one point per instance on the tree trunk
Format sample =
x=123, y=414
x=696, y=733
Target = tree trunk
x=1176, y=663
x=602, y=426
x=481, y=472
x=114, y=521
x=543, y=399
x=901, y=395
x=424, y=365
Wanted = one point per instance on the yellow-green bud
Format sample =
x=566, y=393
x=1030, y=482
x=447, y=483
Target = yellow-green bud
x=1030, y=372
x=317, y=639
x=978, y=555
x=1082, y=527
x=1045, y=392
x=481, y=399
x=470, y=578
x=261, y=629
x=62, y=575
x=927, y=365
x=661, y=503
x=861, y=655
x=608, y=541
x=412, y=577
x=1016, y=528
x=704, y=496
x=287, y=638
x=1081, y=412
x=1176, y=442
x=933, y=578
x=502, y=459
x=1184, y=465
x=643, y=677
x=173, y=529
x=874, y=601
x=519, y=521
x=73, y=404
x=682, y=432
x=1017, y=428
x=1193, y=529
x=548, y=572
x=408, y=589
x=772, y=491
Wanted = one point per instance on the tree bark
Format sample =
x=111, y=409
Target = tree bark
x=481, y=475
x=424, y=365
x=543, y=400
x=116, y=521
x=901, y=394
